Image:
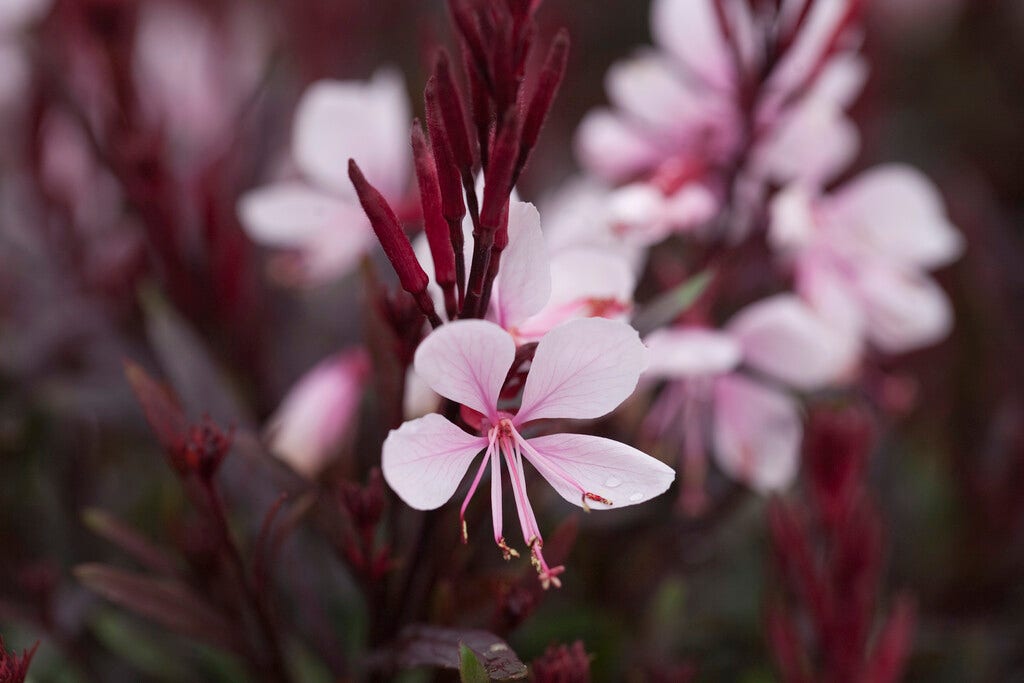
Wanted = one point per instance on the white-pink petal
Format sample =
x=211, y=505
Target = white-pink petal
x=364, y=120
x=690, y=31
x=609, y=469
x=896, y=212
x=613, y=148
x=582, y=369
x=783, y=337
x=906, y=309
x=792, y=221
x=691, y=352
x=317, y=414
x=757, y=434
x=328, y=234
x=523, y=285
x=467, y=361
x=424, y=460
x=813, y=143
x=650, y=90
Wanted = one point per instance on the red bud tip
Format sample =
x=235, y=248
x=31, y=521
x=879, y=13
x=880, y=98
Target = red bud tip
x=434, y=224
x=501, y=172
x=453, y=114
x=453, y=205
x=548, y=82
x=389, y=231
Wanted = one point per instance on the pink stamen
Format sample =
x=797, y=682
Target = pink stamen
x=472, y=490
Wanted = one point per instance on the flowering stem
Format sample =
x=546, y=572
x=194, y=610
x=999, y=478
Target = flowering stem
x=278, y=671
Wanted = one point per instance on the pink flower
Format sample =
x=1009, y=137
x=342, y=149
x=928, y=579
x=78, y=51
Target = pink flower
x=319, y=412
x=582, y=369
x=538, y=288
x=751, y=426
x=15, y=16
x=862, y=254
x=705, y=104
x=318, y=218
x=194, y=72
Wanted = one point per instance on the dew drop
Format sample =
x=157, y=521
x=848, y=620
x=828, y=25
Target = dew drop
x=612, y=482
x=636, y=497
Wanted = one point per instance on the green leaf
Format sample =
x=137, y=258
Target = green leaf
x=420, y=645
x=671, y=304
x=470, y=668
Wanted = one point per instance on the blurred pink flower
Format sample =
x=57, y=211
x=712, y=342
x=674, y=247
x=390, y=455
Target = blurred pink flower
x=15, y=17
x=582, y=369
x=194, y=72
x=319, y=412
x=862, y=254
x=317, y=218
x=752, y=426
x=705, y=106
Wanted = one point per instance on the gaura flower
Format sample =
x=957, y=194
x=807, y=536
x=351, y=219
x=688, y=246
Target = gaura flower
x=582, y=369
x=317, y=218
x=538, y=288
x=317, y=414
x=194, y=72
x=751, y=426
x=704, y=104
x=861, y=255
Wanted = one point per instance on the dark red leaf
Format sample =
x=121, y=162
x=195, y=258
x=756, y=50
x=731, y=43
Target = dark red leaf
x=167, y=602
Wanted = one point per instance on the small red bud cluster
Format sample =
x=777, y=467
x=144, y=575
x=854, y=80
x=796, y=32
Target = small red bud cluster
x=828, y=554
x=14, y=669
x=563, y=664
x=363, y=507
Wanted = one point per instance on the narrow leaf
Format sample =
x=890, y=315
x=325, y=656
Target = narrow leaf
x=167, y=602
x=671, y=304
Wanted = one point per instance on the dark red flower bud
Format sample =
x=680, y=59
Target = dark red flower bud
x=363, y=504
x=795, y=558
x=394, y=241
x=453, y=205
x=893, y=646
x=501, y=172
x=548, y=82
x=786, y=649
x=453, y=114
x=836, y=451
x=434, y=224
x=466, y=20
x=563, y=664
x=14, y=669
x=205, y=449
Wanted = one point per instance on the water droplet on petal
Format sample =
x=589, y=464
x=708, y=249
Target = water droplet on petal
x=636, y=497
x=612, y=482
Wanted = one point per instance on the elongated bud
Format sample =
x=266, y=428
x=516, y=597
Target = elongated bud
x=434, y=223
x=394, y=241
x=548, y=82
x=501, y=172
x=465, y=20
x=453, y=205
x=453, y=114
